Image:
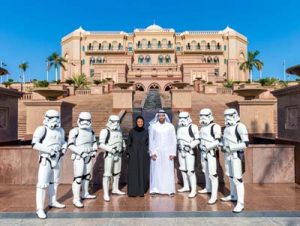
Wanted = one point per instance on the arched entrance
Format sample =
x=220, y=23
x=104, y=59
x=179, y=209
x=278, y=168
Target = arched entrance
x=168, y=87
x=139, y=87
x=154, y=86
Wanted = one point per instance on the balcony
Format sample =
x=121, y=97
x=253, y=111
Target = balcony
x=203, y=49
x=105, y=50
x=154, y=48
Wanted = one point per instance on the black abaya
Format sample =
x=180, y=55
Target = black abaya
x=138, y=164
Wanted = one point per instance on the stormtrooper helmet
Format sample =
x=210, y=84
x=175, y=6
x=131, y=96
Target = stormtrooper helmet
x=206, y=116
x=52, y=119
x=231, y=117
x=184, y=119
x=113, y=122
x=84, y=120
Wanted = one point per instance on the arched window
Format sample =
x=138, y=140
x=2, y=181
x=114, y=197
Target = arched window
x=188, y=46
x=209, y=59
x=120, y=47
x=218, y=46
x=216, y=59
x=139, y=45
x=160, y=59
x=99, y=47
x=148, y=59
x=178, y=48
x=141, y=59
x=109, y=46
x=208, y=46
x=159, y=44
x=130, y=49
x=198, y=45
x=193, y=45
x=164, y=41
x=154, y=86
x=92, y=60
x=169, y=44
x=168, y=87
x=139, y=87
x=168, y=59
x=90, y=47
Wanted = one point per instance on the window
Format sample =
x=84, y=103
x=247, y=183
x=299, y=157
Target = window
x=154, y=43
x=160, y=59
x=92, y=72
x=168, y=59
x=198, y=45
x=95, y=45
x=141, y=59
x=209, y=59
x=218, y=46
x=225, y=61
x=193, y=45
x=208, y=46
x=169, y=44
x=188, y=46
x=149, y=45
x=99, y=46
x=90, y=47
x=216, y=59
x=148, y=59
x=120, y=47
x=82, y=62
x=83, y=48
x=159, y=45
x=109, y=46
x=225, y=47
x=213, y=45
x=130, y=47
x=139, y=45
x=92, y=60
x=203, y=44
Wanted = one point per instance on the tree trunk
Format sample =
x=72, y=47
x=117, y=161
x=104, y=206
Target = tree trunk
x=250, y=76
x=56, y=74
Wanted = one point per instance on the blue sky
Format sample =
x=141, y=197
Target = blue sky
x=31, y=30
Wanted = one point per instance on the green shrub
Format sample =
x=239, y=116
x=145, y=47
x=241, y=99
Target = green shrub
x=97, y=82
x=41, y=83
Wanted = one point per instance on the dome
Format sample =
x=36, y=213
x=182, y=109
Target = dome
x=154, y=27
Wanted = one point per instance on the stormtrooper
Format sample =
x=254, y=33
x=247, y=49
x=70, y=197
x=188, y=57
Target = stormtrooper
x=82, y=142
x=235, y=141
x=111, y=141
x=210, y=137
x=187, y=140
x=49, y=141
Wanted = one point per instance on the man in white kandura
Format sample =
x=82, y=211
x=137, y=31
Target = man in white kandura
x=111, y=141
x=162, y=147
x=210, y=137
x=187, y=140
x=82, y=142
x=235, y=142
x=49, y=140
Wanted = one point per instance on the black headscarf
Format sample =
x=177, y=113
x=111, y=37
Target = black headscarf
x=136, y=128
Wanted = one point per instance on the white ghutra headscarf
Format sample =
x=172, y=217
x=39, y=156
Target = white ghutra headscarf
x=156, y=118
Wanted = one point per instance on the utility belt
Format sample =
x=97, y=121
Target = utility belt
x=185, y=149
x=115, y=155
x=53, y=160
x=213, y=153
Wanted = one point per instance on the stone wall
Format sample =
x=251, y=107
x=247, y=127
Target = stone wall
x=9, y=114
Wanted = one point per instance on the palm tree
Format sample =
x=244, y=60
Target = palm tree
x=57, y=61
x=251, y=63
x=23, y=67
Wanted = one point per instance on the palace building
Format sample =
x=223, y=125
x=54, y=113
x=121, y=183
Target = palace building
x=155, y=57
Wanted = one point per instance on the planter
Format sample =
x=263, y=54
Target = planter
x=49, y=94
x=210, y=89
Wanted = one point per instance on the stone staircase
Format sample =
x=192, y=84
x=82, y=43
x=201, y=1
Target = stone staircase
x=217, y=103
x=100, y=106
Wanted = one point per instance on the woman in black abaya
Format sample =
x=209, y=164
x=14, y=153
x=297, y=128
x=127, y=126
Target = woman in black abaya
x=139, y=160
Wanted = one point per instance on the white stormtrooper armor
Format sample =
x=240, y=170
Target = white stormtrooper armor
x=210, y=137
x=235, y=141
x=111, y=141
x=187, y=140
x=49, y=140
x=82, y=142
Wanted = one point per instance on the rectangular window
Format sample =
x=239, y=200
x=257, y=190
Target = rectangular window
x=225, y=47
x=225, y=61
x=130, y=49
x=92, y=72
x=82, y=62
x=83, y=48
